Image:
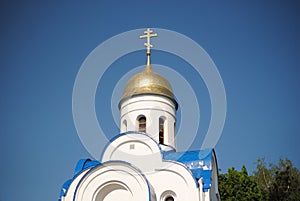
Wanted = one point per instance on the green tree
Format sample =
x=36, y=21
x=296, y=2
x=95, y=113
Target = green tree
x=278, y=182
x=264, y=177
x=238, y=186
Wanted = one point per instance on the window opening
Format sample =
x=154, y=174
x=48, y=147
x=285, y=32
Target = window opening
x=142, y=124
x=125, y=125
x=161, y=130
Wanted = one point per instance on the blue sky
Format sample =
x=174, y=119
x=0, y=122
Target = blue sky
x=254, y=44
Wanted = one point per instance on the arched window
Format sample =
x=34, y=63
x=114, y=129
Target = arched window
x=169, y=198
x=161, y=130
x=142, y=124
x=174, y=128
x=125, y=125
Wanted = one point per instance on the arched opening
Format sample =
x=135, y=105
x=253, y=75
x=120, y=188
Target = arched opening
x=142, y=124
x=174, y=128
x=112, y=192
x=169, y=198
x=161, y=130
x=124, y=125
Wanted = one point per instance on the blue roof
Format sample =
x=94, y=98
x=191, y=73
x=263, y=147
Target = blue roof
x=84, y=164
x=198, y=162
x=80, y=166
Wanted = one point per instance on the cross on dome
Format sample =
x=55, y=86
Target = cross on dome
x=148, y=34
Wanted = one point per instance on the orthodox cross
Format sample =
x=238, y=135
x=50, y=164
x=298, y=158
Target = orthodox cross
x=148, y=34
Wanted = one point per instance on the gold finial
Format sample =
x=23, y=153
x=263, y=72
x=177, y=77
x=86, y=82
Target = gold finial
x=148, y=34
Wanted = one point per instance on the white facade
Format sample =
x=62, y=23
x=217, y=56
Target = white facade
x=156, y=109
x=133, y=169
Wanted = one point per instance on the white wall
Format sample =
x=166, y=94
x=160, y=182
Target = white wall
x=152, y=107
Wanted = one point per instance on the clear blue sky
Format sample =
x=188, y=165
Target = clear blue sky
x=255, y=45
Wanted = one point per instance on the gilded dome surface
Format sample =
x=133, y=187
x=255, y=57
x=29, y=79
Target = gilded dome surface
x=148, y=82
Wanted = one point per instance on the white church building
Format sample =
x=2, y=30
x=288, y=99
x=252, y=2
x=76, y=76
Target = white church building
x=141, y=163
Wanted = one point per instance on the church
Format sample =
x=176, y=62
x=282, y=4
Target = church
x=141, y=163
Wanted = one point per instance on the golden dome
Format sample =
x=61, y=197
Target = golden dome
x=148, y=82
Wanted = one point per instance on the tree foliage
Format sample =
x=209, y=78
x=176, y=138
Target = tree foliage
x=264, y=177
x=238, y=186
x=269, y=183
x=278, y=182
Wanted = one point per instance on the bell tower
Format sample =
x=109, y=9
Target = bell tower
x=148, y=104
